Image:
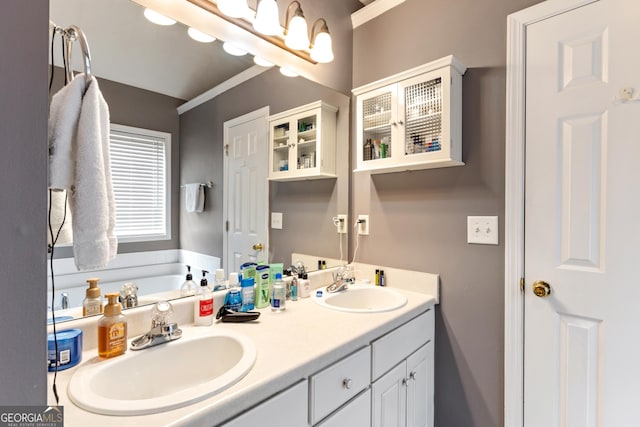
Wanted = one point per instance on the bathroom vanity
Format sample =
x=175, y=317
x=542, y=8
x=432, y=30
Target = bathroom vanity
x=315, y=366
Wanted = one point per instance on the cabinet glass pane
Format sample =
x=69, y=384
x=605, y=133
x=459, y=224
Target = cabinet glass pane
x=376, y=127
x=423, y=117
x=307, y=142
x=280, y=147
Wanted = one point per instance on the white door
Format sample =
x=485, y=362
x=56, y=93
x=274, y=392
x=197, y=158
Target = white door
x=246, y=189
x=582, y=234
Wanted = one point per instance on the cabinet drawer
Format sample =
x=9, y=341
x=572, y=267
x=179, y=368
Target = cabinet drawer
x=400, y=343
x=356, y=413
x=287, y=409
x=338, y=383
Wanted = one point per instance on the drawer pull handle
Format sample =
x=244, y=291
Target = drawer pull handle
x=347, y=383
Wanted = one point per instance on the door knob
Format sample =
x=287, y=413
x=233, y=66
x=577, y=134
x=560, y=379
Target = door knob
x=258, y=247
x=541, y=289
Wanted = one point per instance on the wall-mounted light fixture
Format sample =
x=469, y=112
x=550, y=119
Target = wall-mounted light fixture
x=266, y=26
x=267, y=20
x=321, y=49
x=295, y=28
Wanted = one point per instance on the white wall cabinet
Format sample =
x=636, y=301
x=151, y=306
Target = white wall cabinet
x=412, y=120
x=302, y=143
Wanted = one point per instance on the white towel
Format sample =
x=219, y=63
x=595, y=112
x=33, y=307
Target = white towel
x=91, y=197
x=64, y=114
x=194, y=197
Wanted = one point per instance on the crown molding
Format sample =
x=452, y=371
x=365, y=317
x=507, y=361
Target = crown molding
x=372, y=10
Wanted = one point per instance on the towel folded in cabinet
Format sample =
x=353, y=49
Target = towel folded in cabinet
x=194, y=197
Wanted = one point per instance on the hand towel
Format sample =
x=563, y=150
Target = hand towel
x=194, y=197
x=64, y=114
x=91, y=197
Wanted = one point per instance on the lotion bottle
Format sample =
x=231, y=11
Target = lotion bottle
x=92, y=304
x=189, y=286
x=112, y=329
x=203, y=304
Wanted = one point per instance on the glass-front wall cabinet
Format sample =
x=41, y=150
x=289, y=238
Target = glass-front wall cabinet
x=302, y=143
x=411, y=120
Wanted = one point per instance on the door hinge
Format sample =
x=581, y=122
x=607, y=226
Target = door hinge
x=226, y=226
x=226, y=149
x=522, y=284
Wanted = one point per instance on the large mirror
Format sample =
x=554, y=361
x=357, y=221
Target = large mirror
x=146, y=72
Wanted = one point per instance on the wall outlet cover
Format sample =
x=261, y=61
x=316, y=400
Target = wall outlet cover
x=363, y=225
x=276, y=220
x=342, y=224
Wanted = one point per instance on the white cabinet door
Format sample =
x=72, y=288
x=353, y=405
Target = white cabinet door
x=420, y=387
x=286, y=409
x=388, y=404
x=356, y=413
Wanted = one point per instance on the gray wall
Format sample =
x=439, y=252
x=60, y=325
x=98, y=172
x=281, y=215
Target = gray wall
x=23, y=169
x=424, y=212
x=306, y=205
x=141, y=108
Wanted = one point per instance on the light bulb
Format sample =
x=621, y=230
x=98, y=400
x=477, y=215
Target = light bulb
x=232, y=49
x=321, y=50
x=199, y=36
x=288, y=72
x=262, y=62
x=297, y=37
x=267, y=19
x=233, y=8
x=158, y=18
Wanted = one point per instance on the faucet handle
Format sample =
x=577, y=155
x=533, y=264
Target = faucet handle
x=161, y=312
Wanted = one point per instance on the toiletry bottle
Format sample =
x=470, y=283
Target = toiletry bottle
x=246, y=286
x=219, y=281
x=92, y=304
x=382, y=279
x=189, y=286
x=377, y=281
x=304, y=287
x=278, y=294
x=203, y=304
x=112, y=329
x=294, y=289
x=233, y=300
x=262, y=286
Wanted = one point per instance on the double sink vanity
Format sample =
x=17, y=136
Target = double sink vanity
x=359, y=357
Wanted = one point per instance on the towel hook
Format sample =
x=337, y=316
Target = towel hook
x=71, y=34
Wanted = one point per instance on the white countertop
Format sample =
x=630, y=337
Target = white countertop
x=291, y=346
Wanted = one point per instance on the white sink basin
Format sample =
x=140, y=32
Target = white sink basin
x=200, y=364
x=362, y=299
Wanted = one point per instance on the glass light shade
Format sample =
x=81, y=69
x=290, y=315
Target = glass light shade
x=158, y=18
x=321, y=50
x=232, y=49
x=297, y=37
x=267, y=20
x=233, y=8
x=288, y=72
x=262, y=62
x=199, y=36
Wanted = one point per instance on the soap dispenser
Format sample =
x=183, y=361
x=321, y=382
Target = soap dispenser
x=203, y=304
x=112, y=329
x=92, y=304
x=189, y=287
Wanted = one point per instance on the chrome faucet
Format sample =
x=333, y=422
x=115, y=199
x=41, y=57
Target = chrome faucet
x=341, y=279
x=161, y=330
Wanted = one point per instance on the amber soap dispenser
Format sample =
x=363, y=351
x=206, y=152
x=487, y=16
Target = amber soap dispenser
x=112, y=329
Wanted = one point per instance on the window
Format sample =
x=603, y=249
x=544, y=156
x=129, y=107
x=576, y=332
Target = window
x=141, y=171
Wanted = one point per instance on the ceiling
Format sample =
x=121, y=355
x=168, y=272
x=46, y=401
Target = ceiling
x=127, y=48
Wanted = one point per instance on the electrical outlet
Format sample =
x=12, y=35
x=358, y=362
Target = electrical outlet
x=341, y=224
x=276, y=220
x=482, y=230
x=363, y=225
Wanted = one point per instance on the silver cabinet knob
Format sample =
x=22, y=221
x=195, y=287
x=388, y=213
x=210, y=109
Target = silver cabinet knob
x=347, y=383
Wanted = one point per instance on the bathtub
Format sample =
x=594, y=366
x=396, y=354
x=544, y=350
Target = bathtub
x=155, y=283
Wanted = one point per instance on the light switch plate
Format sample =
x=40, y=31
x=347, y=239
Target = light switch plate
x=482, y=230
x=276, y=220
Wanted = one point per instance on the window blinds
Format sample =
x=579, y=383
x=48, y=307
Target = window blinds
x=139, y=172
